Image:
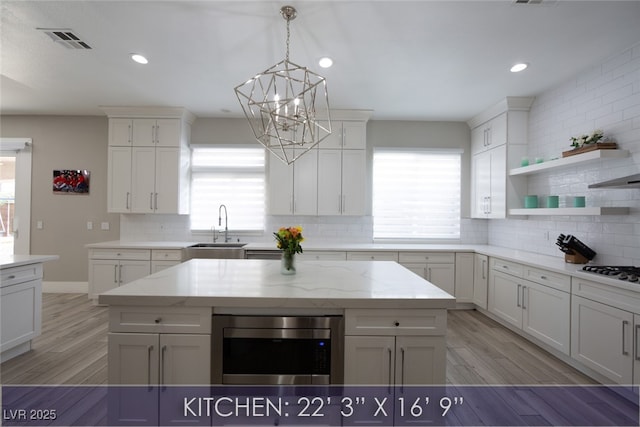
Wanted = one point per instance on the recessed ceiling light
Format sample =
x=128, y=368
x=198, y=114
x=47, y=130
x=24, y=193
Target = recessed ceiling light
x=139, y=58
x=519, y=67
x=325, y=62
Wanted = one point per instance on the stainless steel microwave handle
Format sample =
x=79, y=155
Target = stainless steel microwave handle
x=277, y=333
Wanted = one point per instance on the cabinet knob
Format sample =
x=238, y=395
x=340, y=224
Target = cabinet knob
x=396, y=323
x=158, y=320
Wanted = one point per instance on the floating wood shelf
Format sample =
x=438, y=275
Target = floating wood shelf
x=597, y=211
x=567, y=161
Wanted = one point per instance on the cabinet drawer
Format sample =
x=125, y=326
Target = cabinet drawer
x=562, y=282
x=395, y=322
x=166, y=255
x=428, y=257
x=24, y=273
x=323, y=256
x=177, y=320
x=507, y=267
x=620, y=298
x=372, y=256
x=132, y=254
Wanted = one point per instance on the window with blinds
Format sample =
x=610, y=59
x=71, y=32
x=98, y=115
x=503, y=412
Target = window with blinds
x=232, y=176
x=416, y=194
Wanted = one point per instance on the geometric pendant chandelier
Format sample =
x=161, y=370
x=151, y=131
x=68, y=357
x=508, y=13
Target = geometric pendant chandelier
x=287, y=105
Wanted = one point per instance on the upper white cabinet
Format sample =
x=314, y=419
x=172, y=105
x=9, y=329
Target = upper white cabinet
x=341, y=182
x=490, y=134
x=346, y=134
x=293, y=189
x=498, y=142
x=328, y=180
x=145, y=132
x=149, y=158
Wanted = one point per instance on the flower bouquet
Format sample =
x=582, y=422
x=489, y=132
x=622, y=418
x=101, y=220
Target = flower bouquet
x=289, y=239
x=584, y=143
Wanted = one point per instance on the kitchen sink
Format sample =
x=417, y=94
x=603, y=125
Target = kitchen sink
x=231, y=250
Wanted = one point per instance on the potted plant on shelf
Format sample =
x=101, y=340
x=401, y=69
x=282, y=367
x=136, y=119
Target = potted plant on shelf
x=289, y=239
x=585, y=143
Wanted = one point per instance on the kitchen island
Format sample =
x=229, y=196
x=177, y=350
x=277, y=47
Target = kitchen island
x=160, y=327
x=20, y=302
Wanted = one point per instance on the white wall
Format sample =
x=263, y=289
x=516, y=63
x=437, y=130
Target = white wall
x=605, y=97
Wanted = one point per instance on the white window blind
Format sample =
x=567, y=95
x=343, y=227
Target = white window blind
x=232, y=176
x=416, y=194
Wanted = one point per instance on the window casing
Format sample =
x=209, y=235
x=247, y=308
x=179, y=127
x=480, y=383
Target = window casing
x=233, y=176
x=416, y=194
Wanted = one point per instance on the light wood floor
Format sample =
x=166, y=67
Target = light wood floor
x=73, y=350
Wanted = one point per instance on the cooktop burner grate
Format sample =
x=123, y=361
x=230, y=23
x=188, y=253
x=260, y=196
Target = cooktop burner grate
x=628, y=273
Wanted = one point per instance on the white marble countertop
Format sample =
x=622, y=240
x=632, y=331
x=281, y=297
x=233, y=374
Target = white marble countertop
x=259, y=284
x=8, y=261
x=552, y=263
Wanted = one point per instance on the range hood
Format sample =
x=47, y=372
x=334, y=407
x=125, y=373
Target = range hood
x=631, y=181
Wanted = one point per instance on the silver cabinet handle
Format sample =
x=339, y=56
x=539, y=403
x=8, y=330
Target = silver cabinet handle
x=344, y=204
x=624, y=347
x=162, y=357
x=402, y=366
x=429, y=273
x=155, y=200
x=120, y=274
x=130, y=134
x=151, y=201
x=157, y=134
x=115, y=274
x=637, y=342
x=127, y=201
x=390, y=368
x=13, y=276
x=489, y=204
x=149, y=350
x=339, y=204
x=484, y=266
x=518, y=296
x=543, y=277
x=523, y=289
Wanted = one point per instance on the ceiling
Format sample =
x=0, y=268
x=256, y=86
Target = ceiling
x=415, y=60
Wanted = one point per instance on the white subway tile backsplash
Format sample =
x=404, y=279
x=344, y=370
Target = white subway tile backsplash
x=607, y=96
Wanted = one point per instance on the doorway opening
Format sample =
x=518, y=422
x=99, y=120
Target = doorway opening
x=7, y=203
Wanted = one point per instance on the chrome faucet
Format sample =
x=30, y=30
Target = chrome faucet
x=226, y=228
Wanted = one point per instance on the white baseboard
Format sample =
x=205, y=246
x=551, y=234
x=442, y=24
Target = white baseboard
x=65, y=287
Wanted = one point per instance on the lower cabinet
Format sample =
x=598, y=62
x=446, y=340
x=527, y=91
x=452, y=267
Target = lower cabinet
x=603, y=339
x=110, y=268
x=541, y=311
x=464, y=277
x=480, y=280
x=437, y=268
x=393, y=360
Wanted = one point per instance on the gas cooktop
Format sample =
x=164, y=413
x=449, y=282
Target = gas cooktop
x=628, y=273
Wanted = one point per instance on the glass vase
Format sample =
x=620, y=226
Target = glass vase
x=288, y=263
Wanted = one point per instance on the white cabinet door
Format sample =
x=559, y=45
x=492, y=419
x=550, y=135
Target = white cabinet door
x=443, y=276
x=329, y=182
x=133, y=358
x=369, y=360
x=120, y=132
x=20, y=314
x=354, y=135
x=119, y=180
x=497, y=131
x=504, y=298
x=464, y=277
x=162, y=265
x=132, y=270
x=103, y=275
x=305, y=184
x=498, y=191
x=168, y=132
x=418, y=360
x=480, y=184
x=166, y=197
x=144, y=132
x=480, y=280
x=280, y=187
x=185, y=359
x=546, y=315
x=143, y=171
x=602, y=339
x=354, y=166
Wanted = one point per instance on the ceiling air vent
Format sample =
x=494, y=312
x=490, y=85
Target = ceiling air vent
x=66, y=37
